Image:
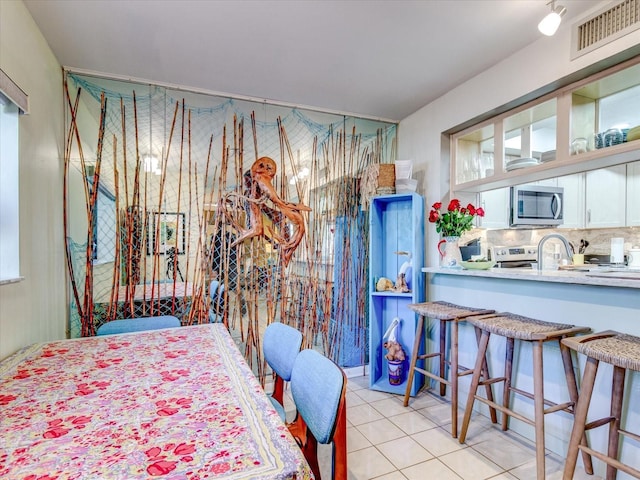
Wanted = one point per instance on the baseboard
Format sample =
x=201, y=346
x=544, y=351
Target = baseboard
x=359, y=371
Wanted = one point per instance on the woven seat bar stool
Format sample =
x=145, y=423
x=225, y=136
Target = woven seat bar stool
x=623, y=352
x=444, y=312
x=537, y=332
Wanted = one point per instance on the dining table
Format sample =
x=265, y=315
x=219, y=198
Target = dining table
x=176, y=403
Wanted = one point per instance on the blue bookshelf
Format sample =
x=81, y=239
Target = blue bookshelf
x=396, y=224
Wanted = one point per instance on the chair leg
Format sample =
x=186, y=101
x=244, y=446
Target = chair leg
x=475, y=381
x=414, y=358
x=508, y=373
x=617, y=392
x=453, y=375
x=340, y=445
x=572, y=386
x=580, y=417
x=538, y=402
x=443, y=357
x=485, y=374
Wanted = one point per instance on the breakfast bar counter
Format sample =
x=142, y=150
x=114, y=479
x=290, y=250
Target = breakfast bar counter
x=599, y=299
x=599, y=276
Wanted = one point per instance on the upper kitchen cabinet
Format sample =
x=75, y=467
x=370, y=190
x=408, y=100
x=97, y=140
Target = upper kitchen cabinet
x=605, y=190
x=605, y=111
x=633, y=194
x=474, y=159
x=530, y=136
x=588, y=125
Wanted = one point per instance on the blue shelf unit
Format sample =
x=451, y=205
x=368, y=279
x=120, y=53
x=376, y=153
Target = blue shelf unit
x=396, y=224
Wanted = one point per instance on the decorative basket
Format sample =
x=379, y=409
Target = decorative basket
x=386, y=175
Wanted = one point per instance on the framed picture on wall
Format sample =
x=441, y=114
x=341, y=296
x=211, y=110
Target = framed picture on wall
x=167, y=231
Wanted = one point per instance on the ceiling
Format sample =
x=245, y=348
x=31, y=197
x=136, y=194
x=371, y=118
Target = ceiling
x=378, y=59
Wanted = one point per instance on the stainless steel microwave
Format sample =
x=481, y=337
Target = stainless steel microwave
x=534, y=205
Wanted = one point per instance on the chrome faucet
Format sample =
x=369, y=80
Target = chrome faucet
x=544, y=239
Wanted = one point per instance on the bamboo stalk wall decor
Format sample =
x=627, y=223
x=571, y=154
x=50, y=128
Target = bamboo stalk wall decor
x=155, y=214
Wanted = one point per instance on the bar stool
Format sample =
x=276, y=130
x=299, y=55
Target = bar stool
x=445, y=312
x=516, y=327
x=623, y=352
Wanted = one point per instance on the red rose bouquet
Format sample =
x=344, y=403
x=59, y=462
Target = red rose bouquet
x=456, y=220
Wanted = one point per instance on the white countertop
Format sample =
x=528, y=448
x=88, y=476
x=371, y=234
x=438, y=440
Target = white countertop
x=604, y=277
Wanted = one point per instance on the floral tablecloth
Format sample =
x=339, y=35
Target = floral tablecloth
x=174, y=403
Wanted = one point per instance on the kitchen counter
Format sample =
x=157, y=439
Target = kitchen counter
x=600, y=299
x=605, y=277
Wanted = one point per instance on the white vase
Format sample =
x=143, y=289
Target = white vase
x=450, y=256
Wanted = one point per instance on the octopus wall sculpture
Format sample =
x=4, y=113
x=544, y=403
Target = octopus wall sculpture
x=258, y=189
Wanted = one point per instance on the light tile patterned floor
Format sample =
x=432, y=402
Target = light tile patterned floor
x=387, y=441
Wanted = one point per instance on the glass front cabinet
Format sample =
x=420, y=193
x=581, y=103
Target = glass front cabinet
x=591, y=124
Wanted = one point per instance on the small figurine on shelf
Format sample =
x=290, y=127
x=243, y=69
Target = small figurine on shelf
x=395, y=353
x=401, y=282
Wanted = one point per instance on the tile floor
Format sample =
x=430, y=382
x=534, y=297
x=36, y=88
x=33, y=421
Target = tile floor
x=387, y=441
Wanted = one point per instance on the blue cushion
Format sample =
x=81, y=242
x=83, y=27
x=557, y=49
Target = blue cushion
x=316, y=387
x=138, y=324
x=279, y=408
x=280, y=345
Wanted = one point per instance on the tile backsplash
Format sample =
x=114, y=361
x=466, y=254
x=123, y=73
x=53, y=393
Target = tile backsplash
x=599, y=239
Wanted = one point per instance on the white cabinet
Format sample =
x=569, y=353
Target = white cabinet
x=573, y=198
x=606, y=197
x=633, y=194
x=496, y=208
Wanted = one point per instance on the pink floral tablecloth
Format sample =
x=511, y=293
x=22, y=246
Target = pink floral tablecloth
x=174, y=403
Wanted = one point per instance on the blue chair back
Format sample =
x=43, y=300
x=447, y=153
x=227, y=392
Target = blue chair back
x=127, y=325
x=280, y=346
x=217, y=307
x=317, y=388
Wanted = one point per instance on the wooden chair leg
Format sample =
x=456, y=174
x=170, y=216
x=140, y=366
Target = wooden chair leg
x=538, y=402
x=617, y=392
x=454, y=376
x=486, y=375
x=572, y=386
x=580, y=417
x=340, y=445
x=414, y=358
x=475, y=381
x=508, y=373
x=442, y=356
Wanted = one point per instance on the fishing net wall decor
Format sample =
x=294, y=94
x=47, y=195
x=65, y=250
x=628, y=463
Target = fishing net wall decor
x=155, y=200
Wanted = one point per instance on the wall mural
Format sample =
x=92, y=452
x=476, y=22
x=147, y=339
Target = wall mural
x=211, y=224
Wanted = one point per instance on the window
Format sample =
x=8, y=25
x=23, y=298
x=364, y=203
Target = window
x=13, y=101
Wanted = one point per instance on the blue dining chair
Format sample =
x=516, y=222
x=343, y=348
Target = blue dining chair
x=280, y=346
x=318, y=387
x=126, y=325
x=217, y=307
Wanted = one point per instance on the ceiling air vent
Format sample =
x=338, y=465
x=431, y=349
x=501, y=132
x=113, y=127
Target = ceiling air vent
x=605, y=26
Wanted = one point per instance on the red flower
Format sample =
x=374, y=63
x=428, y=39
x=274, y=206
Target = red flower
x=454, y=205
x=456, y=220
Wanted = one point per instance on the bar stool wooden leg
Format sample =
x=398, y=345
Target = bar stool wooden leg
x=538, y=402
x=508, y=376
x=485, y=374
x=572, y=386
x=414, y=358
x=475, y=381
x=580, y=417
x=454, y=377
x=443, y=358
x=617, y=392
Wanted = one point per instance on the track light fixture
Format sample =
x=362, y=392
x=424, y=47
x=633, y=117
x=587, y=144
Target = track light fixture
x=549, y=24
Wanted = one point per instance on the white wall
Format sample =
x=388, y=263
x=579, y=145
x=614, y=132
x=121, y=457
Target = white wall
x=536, y=66
x=34, y=310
